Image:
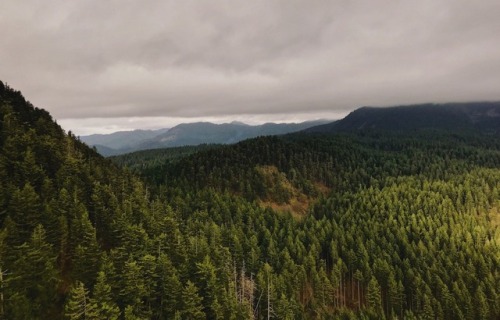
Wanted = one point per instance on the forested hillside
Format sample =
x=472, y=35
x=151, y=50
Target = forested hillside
x=464, y=117
x=305, y=226
x=141, y=161
x=406, y=226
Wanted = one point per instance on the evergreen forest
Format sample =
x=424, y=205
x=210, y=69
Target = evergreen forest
x=369, y=224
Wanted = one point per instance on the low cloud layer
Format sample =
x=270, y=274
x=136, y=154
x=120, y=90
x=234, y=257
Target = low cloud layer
x=113, y=60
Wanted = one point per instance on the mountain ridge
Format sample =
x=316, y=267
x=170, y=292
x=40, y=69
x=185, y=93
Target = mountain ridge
x=469, y=116
x=483, y=117
x=189, y=134
x=121, y=139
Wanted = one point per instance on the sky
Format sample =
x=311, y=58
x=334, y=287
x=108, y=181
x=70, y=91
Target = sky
x=104, y=66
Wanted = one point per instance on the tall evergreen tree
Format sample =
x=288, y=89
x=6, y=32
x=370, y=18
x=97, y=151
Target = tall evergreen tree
x=374, y=299
x=102, y=304
x=78, y=306
x=192, y=307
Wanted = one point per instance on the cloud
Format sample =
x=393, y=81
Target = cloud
x=214, y=59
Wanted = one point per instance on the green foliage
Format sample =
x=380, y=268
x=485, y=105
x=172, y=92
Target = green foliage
x=191, y=303
x=78, y=307
x=398, y=226
x=170, y=288
x=33, y=276
x=133, y=288
x=142, y=161
x=374, y=298
x=102, y=304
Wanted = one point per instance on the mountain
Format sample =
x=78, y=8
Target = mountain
x=226, y=133
x=121, y=139
x=473, y=117
x=105, y=151
x=189, y=134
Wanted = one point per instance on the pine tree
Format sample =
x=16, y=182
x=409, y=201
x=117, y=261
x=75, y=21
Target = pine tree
x=392, y=294
x=170, y=287
x=77, y=306
x=427, y=312
x=133, y=290
x=86, y=258
x=358, y=276
x=34, y=272
x=323, y=288
x=103, y=306
x=208, y=286
x=481, y=304
x=131, y=314
x=25, y=209
x=374, y=298
x=149, y=273
x=284, y=308
x=192, y=307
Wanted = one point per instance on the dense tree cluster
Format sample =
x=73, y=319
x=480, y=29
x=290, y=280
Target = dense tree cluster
x=149, y=162
x=408, y=228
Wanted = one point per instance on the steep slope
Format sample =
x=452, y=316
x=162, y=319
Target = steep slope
x=472, y=117
x=60, y=203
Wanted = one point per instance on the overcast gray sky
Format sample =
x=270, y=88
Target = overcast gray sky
x=101, y=66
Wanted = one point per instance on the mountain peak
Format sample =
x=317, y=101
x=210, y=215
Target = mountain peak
x=239, y=123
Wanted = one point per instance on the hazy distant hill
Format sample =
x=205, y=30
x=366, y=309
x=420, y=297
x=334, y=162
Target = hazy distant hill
x=105, y=151
x=226, y=133
x=475, y=116
x=121, y=139
x=189, y=134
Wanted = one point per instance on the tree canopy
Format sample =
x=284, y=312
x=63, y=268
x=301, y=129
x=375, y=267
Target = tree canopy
x=305, y=226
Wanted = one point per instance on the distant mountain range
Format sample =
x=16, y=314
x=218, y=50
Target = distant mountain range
x=121, y=139
x=482, y=117
x=188, y=134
